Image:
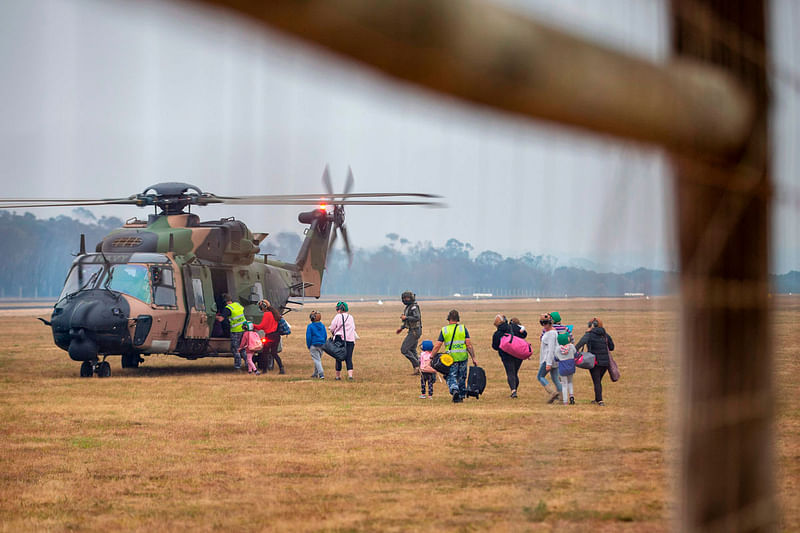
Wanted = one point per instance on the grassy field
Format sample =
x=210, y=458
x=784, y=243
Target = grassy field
x=178, y=445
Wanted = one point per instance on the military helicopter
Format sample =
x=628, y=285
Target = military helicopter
x=155, y=285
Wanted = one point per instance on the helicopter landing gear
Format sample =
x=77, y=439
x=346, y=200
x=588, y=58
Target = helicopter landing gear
x=103, y=370
x=131, y=360
x=87, y=369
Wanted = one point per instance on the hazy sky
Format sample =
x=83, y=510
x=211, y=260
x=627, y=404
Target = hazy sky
x=103, y=98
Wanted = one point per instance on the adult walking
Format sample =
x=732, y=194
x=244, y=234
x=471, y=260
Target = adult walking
x=510, y=363
x=269, y=325
x=412, y=321
x=233, y=314
x=455, y=338
x=599, y=342
x=547, y=359
x=344, y=326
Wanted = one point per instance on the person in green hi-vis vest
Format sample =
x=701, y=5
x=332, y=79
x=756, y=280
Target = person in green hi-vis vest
x=455, y=338
x=233, y=312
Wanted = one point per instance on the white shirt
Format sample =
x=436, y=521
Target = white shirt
x=549, y=345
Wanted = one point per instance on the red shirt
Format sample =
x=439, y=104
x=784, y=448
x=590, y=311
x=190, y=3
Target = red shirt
x=268, y=323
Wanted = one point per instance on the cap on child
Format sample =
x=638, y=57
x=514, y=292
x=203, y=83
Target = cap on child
x=427, y=346
x=563, y=339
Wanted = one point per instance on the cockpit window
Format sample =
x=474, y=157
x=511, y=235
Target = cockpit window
x=114, y=272
x=130, y=279
x=82, y=276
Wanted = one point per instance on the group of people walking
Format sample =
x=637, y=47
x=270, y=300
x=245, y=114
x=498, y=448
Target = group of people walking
x=556, y=347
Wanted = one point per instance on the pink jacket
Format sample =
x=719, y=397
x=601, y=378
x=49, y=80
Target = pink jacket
x=251, y=341
x=350, y=334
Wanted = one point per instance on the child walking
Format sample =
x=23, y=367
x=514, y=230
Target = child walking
x=251, y=343
x=565, y=355
x=315, y=339
x=427, y=375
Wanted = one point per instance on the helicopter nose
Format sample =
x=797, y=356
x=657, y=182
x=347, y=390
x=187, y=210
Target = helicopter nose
x=91, y=322
x=81, y=347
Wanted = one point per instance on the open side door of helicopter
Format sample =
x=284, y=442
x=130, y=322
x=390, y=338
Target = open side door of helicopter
x=199, y=314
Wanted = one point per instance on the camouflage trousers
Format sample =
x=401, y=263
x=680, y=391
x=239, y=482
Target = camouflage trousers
x=457, y=378
x=409, y=346
x=236, y=340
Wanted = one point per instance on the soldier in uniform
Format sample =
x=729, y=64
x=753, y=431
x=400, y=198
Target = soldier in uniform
x=412, y=321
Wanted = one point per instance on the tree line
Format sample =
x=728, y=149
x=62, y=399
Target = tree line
x=35, y=255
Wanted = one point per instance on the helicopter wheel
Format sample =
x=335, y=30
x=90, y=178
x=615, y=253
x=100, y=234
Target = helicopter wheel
x=87, y=369
x=103, y=370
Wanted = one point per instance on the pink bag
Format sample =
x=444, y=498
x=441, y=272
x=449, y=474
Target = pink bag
x=515, y=346
x=425, y=363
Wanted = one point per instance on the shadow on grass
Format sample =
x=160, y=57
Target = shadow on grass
x=178, y=370
x=160, y=371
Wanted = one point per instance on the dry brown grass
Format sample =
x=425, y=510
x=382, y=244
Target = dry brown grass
x=179, y=445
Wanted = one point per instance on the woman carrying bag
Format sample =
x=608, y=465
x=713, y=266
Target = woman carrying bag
x=600, y=343
x=510, y=363
x=344, y=327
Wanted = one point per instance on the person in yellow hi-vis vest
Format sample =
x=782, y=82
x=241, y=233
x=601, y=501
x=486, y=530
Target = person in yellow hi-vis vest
x=455, y=338
x=233, y=312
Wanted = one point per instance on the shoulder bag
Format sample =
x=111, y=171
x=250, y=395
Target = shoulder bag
x=613, y=369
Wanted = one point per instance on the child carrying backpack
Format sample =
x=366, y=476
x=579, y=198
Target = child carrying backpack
x=427, y=375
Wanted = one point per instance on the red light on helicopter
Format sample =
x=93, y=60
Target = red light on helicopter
x=322, y=207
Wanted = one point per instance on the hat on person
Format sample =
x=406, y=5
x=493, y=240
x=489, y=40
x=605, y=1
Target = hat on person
x=341, y=306
x=427, y=346
x=555, y=316
x=563, y=339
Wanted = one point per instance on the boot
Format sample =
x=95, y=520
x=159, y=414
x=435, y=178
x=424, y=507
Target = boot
x=552, y=393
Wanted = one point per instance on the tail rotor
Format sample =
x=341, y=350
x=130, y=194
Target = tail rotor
x=338, y=212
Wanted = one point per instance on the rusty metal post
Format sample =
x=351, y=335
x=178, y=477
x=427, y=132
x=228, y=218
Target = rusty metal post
x=723, y=219
x=482, y=53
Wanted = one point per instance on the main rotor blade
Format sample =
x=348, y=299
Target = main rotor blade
x=65, y=200
x=326, y=180
x=231, y=201
x=323, y=196
x=316, y=202
x=64, y=204
x=348, y=185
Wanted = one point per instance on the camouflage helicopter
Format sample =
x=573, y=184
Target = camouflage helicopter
x=155, y=285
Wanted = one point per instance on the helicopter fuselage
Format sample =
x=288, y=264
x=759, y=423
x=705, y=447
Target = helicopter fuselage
x=157, y=287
